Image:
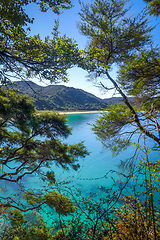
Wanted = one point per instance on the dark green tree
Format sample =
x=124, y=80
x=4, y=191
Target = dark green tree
x=21, y=126
x=31, y=142
x=154, y=7
x=22, y=55
x=116, y=39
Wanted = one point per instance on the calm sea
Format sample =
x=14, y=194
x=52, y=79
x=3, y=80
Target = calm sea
x=92, y=169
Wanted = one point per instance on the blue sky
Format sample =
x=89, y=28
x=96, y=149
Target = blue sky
x=44, y=22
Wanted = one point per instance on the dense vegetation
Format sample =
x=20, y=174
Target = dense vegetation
x=30, y=143
x=59, y=97
x=117, y=39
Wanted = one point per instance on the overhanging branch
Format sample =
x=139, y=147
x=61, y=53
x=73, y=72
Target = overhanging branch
x=135, y=116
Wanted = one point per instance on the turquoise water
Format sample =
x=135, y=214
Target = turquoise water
x=96, y=165
x=100, y=160
x=92, y=169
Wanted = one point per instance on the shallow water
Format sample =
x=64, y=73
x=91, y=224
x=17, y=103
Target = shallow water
x=92, y=169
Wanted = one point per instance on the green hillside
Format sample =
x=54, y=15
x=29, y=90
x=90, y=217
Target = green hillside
x=59, y=97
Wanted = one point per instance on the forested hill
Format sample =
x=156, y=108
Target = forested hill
x=59, y=97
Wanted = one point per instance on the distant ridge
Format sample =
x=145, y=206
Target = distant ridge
x=59, y=97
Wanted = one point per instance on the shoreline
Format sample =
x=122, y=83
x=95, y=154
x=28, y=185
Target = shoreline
x=79, y=112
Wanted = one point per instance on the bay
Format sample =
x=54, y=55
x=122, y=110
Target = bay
x=93, y=168
x=90, y=177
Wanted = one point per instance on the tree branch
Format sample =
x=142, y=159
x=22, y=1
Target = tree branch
x=135, y=116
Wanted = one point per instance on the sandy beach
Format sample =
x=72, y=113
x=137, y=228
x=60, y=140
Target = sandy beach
x=78, y=112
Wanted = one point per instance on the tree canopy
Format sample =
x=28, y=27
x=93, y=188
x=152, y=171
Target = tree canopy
x=21, y=127
x=115, y=37
x=154, y=7
x=31, y=142
x=23, y=56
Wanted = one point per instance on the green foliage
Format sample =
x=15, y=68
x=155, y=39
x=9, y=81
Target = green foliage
x=12, y=103
x=32, y=140
x=29, y=231
x=16, y=218
x=27, y=56
x=154, y=7
x=114, y=36
x=51, y=177
x=139, y=76
x=111, y=127
x=14, y=10
x=59, y=235
x=117, y=212
x=138, y=217
x=59, y=97
x=62, y=204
